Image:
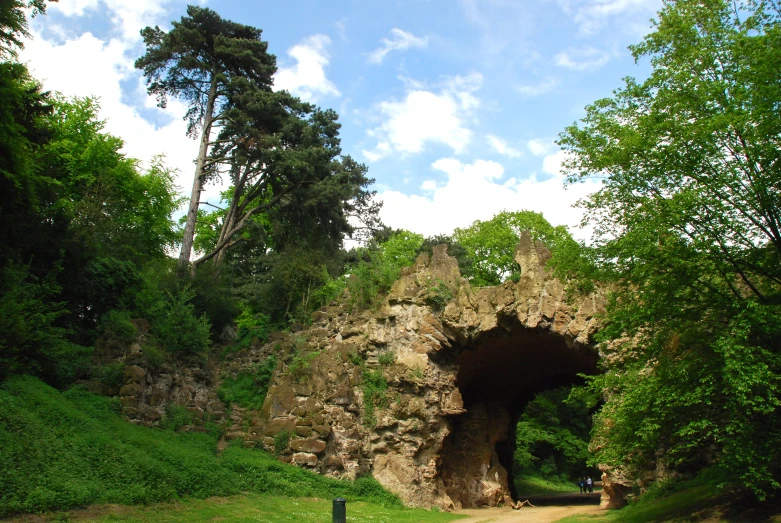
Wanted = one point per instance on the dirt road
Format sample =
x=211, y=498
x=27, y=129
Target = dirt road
x=524, y=514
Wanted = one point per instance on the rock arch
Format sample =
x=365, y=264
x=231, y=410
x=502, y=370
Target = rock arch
x=424, y=392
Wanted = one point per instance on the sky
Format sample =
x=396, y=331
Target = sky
x=454, y=105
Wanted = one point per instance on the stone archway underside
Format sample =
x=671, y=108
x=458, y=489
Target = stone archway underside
x=497, y=378
x=459, y=363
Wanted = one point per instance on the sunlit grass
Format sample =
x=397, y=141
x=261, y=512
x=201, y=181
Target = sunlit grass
x=248, y=507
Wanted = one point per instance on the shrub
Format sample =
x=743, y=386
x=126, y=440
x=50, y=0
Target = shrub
x=117, y=324
x=374, y=388
x=173, y=320
x=111, y=375
x=281, y=442
x=248, y=389
x=176, y=417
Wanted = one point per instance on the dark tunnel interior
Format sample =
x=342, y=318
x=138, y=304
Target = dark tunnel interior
x=497, y=377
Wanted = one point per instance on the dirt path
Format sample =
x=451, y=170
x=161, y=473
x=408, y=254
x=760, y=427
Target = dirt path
x=524, y=514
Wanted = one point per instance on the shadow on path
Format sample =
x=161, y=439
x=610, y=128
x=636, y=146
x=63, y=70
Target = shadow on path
x=565, y=498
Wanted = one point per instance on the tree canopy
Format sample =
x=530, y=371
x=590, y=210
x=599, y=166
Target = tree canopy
x=198, y=61
x=491, y=244
x=687, y=230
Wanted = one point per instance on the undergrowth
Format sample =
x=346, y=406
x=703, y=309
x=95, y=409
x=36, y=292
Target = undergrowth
x=64, y=450
x=248, y=389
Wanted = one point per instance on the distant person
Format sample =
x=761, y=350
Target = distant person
x=581, y=485
x=590, y=484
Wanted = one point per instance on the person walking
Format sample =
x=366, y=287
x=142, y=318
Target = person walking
x=581, y=485
x=590, y=484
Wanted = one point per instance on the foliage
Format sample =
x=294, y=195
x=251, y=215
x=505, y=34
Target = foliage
x=438, y=295
x=118, y=325
x=13, y=24
x=281, y=442
x=30, y=339
x=379, y=266
x=375, y=387
x=552, y=437
x=687, y=232
x=176, y=417
x=491, y=244
x=173, y=320
x=300, y=365
x=111, y=375
x=248, y=389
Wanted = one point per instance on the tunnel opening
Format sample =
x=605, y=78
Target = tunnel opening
x=498, y=376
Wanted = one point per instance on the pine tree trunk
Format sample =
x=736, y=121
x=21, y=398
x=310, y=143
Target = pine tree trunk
x=195, y=197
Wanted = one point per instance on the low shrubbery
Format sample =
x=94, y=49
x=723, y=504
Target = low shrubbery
x=66, y=450
x=248, y=389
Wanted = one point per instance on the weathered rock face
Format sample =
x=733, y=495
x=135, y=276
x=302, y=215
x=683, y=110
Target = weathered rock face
x=425, y=392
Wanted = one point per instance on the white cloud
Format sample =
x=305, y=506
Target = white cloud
x=592, y=15
x=474, y=192
x=500, y=146
x=400, y=41
x=540, y=147
x=424, y=116
x=551, y=164
x=307, y=77
x=582, y=59
x=429, y=185
x=543, y=87
x=126, y=17
x=88, y=66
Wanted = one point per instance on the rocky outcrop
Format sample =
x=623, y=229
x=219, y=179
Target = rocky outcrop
x=423, y=393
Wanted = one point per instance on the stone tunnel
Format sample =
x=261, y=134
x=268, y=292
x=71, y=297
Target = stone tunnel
x=497, y=377
x=457, y=365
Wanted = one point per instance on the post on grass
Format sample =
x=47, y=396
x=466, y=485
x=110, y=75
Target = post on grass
x=340, y=510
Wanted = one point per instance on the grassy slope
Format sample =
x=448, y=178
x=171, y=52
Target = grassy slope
x=533, y=485
x=697, y=502
x=246, y=507
x=62, y=451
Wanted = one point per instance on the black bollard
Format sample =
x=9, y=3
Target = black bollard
x=340, y=510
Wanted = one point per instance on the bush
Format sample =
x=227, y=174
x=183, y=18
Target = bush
x=173, y=320
x=117, y=324
x=248, y=389
x=111, y=375
x=176, y=417
x=381, y=266
x=31, y=340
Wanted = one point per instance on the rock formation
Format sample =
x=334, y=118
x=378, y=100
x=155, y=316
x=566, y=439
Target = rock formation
x=423, y=393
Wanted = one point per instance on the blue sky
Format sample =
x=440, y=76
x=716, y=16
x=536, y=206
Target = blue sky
x=453, y=104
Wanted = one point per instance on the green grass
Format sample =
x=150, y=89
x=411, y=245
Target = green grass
x=534, y=486
x=679, y=506
x=65, y=450
x=249, y=507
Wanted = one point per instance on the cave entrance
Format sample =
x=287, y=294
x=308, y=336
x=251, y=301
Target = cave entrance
x=497, y=377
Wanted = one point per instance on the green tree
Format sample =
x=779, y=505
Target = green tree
x=288, y=178
x=687, y=231
x=379, y=266
x=13, y=23
x=491, y=244
x=555, y=430
x=199, y=60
